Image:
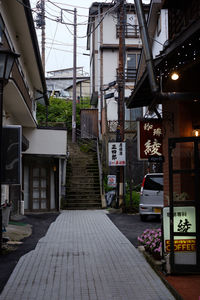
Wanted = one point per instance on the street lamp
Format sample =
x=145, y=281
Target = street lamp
x=7, y=58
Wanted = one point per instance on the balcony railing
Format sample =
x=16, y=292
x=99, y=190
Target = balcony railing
x=129, y=74
x=131, y=31
x=129, y=126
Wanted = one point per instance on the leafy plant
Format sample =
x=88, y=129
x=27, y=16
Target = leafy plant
x=59, y=110
x=151, y=239
x=135, y=200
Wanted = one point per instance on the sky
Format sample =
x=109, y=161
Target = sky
x=59, y=36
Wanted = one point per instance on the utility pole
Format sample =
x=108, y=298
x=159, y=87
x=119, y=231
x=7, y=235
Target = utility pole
x=74, y=82
x=40, y=23
x=43, y=33
x=120, y=129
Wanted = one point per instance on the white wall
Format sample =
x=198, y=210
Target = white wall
x=52, y=190
x=162, y=37
x=45, y=141
x=26, y=187
x=112, y=108
x=109, y=30
x=110, y=64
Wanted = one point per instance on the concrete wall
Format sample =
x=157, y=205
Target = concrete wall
x=45, y=141
x=161, y=36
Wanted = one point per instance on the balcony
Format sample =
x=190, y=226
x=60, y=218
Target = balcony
x=129, y=74
x=129, y=126
x=131, y=31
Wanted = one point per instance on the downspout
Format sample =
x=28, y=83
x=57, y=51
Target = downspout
x=99, y=70
x=146, y=45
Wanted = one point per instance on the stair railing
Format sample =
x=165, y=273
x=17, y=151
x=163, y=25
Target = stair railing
x=100, y=167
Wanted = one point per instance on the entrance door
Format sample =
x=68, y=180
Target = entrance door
x=39, y=188
x=183, y=213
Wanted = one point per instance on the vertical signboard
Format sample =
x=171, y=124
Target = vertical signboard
x=149, y=139
x=117, y=154
x=11, y=155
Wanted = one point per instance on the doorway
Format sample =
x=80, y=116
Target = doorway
x=184, y=205
x=39, y=187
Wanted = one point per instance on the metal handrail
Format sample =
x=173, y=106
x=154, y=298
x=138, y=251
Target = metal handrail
x=100, y=168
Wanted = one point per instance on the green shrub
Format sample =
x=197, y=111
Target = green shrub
x=135, y=200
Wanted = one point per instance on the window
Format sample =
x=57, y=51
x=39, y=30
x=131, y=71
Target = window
x=132, y=27
x=131, y=66
x=154, y=183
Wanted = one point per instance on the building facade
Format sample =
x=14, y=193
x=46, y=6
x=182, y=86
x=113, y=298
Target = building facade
x=37, y=188
x=103, y=43
x=176, y=71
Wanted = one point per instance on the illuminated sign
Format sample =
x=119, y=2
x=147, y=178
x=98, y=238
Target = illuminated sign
x=184, y=222
x=117, y=154
x=149, y=138
x=182, y=245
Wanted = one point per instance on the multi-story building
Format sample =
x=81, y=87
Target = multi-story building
x=60, y=83
x=39, y=176
x=104, y=34
x=103, y=43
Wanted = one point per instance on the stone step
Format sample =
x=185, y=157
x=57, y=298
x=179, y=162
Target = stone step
x=83, y=206
x=86, y=201
x=90, y=191
x=83, y=185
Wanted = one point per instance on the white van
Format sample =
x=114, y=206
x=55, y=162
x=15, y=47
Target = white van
x=151, y=195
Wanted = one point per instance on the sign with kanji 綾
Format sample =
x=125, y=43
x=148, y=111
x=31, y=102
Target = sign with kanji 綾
x=184, y=222
x=117, y=154
x=149, y=139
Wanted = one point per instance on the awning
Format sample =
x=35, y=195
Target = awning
x=183, y=55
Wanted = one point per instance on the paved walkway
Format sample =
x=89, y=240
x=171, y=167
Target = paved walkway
x=84, y=257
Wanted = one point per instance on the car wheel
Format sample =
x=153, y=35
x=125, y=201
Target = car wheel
x=143, y=217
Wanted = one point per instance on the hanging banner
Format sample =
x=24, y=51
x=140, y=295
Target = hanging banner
x=117, y=154
x=150, y=139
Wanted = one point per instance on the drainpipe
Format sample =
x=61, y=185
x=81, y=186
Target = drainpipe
x=99, y=71
x=146, y=45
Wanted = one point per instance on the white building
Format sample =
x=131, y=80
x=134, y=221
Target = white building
x=103, y=43
x=41, y=171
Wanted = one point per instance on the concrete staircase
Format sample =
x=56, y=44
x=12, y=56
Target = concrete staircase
x=82, y=180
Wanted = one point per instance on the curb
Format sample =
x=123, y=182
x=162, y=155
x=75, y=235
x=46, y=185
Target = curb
x=157, y=267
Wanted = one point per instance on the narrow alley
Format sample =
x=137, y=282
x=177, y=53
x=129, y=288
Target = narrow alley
x=84, y=256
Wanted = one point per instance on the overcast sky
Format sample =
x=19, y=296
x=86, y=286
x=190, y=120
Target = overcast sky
x=59, y=37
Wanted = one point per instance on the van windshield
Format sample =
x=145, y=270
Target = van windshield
x=154, y=183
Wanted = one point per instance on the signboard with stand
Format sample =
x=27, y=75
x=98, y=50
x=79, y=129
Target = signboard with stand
x=117, y=154
x=184, y=219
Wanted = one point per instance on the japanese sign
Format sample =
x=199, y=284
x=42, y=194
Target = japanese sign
x=184, y=222
x=112, y=181
x=117, y=154
x=149, y=138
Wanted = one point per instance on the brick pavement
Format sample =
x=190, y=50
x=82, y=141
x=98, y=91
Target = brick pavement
x=84, y=257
